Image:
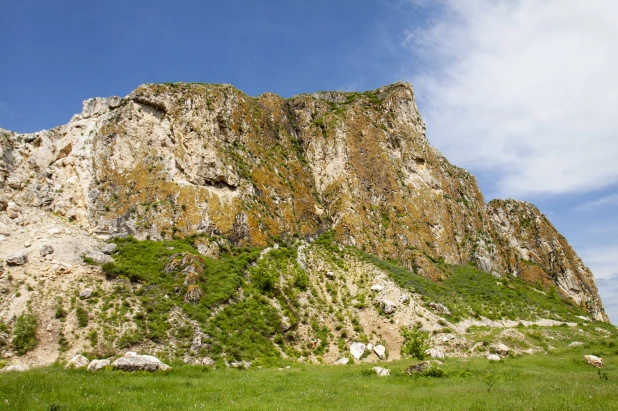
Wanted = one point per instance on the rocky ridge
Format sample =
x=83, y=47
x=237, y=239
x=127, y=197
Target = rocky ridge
x=193, y=158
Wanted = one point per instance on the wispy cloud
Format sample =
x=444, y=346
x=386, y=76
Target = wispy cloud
x=523, y=89
x=610, y=200
x=603, y=261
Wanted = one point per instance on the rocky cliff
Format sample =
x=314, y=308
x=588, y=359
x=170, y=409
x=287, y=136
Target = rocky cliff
x=180, y=159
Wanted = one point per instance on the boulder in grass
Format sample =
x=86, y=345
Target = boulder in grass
x=79, y=361
x=502, y=350
x=342, y=361
x=594, y=361
x=418, y=368
x=98, y=364
x=435, y=353
x=109, y=248
x=381, y=372
x=380, y=351
x=357, y=350
x=135, y=362
x=493, y=357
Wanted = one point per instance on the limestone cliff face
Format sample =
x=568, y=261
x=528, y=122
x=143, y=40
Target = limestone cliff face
x=189, y=158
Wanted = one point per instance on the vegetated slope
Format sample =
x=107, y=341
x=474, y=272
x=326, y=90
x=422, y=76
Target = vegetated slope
x=345, y=184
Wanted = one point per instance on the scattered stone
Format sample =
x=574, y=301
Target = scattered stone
x=418, y=368
x=96, y=365
x=502, y=350
x=357, y=350
x=13, y=210
x=4, y=229
x=594, y=361
x=382, y=372
x=54, y=231
x=342, y=361
x=79, y=361
x=439, y=308
x=493, y=357
x=404, y=298
x=109, y=248
x=448, y=337
x=86, y=293
x=377, y=288
x=134, y=362
x=380, y=351
x=46, y=249
x=18, y=258
x=388, y=307
x=98, y=257
x=240, y=364
x=576, y=344
x=435, y=353
x=208, y=362
x=16, y=368
x=27, y=244
x=370, y=347
x=330, y=274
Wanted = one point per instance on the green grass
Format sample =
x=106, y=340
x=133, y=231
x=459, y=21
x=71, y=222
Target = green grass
x=557, y=381
x=470, y=292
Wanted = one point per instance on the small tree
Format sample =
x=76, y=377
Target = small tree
x=416, y=341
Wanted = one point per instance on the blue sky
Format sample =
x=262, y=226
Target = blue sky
x=520, y=92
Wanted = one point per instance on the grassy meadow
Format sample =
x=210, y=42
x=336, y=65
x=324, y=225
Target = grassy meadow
x=560, y=380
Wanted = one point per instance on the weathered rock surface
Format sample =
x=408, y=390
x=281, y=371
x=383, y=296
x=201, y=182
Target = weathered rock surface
x=134, y=362
x=594, y=361
x=502, y=350
x=357, y=349
x=380, y=351
x=19, y=258
x=46, y=249
x=109, y=248
x=418, y=368
x=576, y=344
x=79, y=361
x=96, y=365
x=381, y=372
x=342, y=361
x=217, y=161
x=493, y=357
x=435, y=353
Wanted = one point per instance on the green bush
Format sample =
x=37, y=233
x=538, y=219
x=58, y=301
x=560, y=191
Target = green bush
x=82, y=316
x=415, y=342
x=24, y=333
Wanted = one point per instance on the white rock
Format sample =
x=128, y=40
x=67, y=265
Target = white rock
x=16, y=368
x=403, y=298
x=382, y=372
x=54, y=231
x=576, y=344
x=79, y=361
x=134, y=362
x=388, y=307
x=435, y=353
x=377, y=287
x=493, y=357
x=18, y=258
x=208, y=361
x=109, y=248
x=502, y=350
x=357, y=349
x=380, y=351
x=98, y=364
x=594, y=360
x=27, y=244
x=342, y=361
x=369, y=347
x=330, y=274
x=86, y=293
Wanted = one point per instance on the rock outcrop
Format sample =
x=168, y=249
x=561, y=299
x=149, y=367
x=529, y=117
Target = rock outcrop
x=179, y=159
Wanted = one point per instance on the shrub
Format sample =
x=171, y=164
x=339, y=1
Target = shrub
x=82, y=316
x=24, y=333
x=415, y=342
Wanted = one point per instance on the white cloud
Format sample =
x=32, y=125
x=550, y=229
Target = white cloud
x=609, y=200
x=603, y=260
x=523, y=89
